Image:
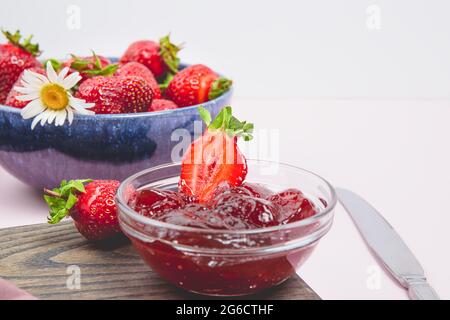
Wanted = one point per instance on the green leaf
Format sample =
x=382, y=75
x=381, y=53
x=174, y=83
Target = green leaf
x=71, y=200
x=62, y=199
x=168, y=52
x=15, y=39
x=56, y=64
x=222, y=119
x=78, y=64
x=219, y=87
x=226, y=122
x=163, y=86
x=205, y=115
x=98, y=63
x=106, y=71
x=92, y=66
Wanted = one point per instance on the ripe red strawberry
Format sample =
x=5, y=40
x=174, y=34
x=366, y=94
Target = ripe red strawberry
x=162, y=104
x=11, y=98
x=92, y=207
x=158, y=57
x=89, y=67
x=15, y=57
x=116, y=94
x=196, y=84
x=215, y=158
x=139, y=70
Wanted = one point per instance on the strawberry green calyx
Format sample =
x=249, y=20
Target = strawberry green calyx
x=163, y=86
x=219, y=87
x=61, y=200
x=169, y=53
x=82, y=65
x=226, y=122
x=25, y=44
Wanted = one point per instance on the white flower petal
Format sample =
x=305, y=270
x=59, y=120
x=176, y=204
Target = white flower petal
x=51, y=73
x=28, y=97
x=29, y=78
x=76, y=101
x=32, y=109
x=69, y=115
x=26, y=90
x=34, y=77
x=61, y=117
x=71, y=80
x=45, y=116
x=51, y=116
x=36, y=120
x=62, y=74
x=36, y=86
x=85, y=112
x=80, y=106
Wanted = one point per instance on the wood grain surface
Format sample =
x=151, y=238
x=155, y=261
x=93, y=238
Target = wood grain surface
x=36, y=258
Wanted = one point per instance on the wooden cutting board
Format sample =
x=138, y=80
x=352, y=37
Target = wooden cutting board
x=36, y=258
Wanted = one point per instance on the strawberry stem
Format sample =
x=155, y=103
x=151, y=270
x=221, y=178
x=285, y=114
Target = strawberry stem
x=225, y=121
x=16, y=39
x=52, y=193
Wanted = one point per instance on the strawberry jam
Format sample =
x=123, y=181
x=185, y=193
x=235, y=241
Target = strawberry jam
x=246, y=207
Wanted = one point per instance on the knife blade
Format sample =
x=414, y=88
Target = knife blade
x=387, y=246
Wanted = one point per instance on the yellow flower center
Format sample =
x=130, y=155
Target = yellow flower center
x=54, y=97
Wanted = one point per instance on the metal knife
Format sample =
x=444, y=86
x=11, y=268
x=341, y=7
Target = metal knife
x=387, y=245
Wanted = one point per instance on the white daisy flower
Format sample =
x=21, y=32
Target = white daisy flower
x=50, y=97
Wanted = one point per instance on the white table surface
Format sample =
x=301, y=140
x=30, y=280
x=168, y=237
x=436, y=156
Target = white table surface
x=395, y=153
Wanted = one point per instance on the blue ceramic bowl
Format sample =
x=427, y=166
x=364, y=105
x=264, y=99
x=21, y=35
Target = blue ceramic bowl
x=97, y=147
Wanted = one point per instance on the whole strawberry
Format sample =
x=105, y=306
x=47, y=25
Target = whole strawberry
x=162, y=104
x=15, y=57
x=160, y=57
x=89, y=67
x=139, y=70
x=11, y=98
x=196, y=84
x=92, y=207
x=116, y=94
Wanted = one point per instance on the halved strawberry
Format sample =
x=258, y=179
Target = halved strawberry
x=214, y=158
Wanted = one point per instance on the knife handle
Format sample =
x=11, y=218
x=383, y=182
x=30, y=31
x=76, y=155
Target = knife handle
x=422, y=291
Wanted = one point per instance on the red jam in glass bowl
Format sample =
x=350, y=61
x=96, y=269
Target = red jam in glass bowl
x=244, y=240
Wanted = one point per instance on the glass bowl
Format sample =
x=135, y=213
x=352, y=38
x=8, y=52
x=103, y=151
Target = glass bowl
x=227, y=262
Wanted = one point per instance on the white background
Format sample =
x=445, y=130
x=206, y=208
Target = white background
x=367, y=109
x=280, y=48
